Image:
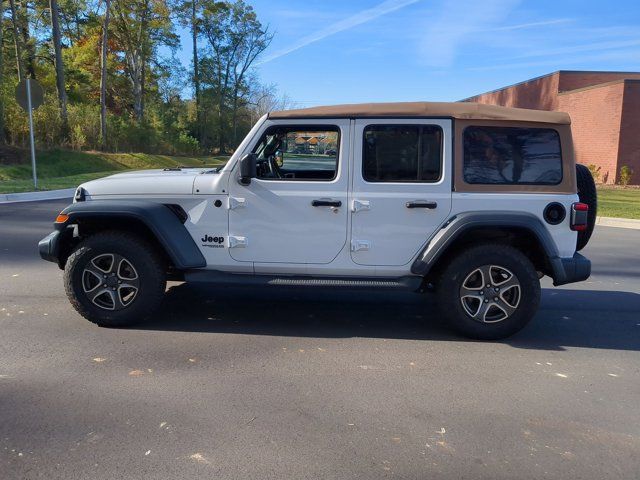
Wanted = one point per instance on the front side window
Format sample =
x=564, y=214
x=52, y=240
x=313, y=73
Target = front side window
x=512, y=156
x=402, y=153
x=298, y=153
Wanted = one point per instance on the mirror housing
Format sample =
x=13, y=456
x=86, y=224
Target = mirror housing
x=248, y=168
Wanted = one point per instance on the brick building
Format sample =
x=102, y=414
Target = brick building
x=604, y=109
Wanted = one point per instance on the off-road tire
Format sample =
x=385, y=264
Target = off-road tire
x=150, y=271
x=449, y=294
x=588, y=194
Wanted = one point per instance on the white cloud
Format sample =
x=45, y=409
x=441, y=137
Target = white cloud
x=384, y=8
x=456, y=25
x=523, y=26
x=589, y=61
x=589, y=47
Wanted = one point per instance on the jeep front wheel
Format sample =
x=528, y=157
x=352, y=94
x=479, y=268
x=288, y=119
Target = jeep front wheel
x=489, y=292
x=114, y=279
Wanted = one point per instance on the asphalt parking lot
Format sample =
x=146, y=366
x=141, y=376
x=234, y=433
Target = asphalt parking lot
x=276, y=383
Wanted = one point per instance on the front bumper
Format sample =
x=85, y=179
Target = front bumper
x=570, y=270
x=49, y=247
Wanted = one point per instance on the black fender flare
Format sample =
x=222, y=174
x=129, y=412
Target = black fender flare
x=455, y=227
x=163, y=223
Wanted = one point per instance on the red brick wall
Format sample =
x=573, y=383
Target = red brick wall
x=574, y=80
x=596, y=115
x=539, y=94
x=630, y=130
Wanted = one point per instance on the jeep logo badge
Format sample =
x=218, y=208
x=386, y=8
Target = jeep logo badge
x=212, y=242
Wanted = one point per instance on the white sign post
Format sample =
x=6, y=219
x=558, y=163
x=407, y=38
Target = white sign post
x=30, y=96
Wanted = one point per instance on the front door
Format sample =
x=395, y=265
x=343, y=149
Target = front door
x=295, y=211
x=401, y=188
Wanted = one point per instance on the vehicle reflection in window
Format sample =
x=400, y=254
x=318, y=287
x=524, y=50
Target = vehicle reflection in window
x=506, y=155
x=293, y=153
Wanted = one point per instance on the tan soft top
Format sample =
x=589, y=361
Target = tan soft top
x=462, y=110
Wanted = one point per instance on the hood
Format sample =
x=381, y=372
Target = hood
x=146, y=182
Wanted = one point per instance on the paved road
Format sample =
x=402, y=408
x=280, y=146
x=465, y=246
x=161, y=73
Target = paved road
x=277, y=384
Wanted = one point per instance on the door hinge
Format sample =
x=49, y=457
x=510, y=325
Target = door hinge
x=360, y=245
x=357, y=205
x=237, y=242
x=235, y=202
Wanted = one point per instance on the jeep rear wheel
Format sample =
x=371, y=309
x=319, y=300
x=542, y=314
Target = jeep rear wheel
x=114, y=279
x=489, y=292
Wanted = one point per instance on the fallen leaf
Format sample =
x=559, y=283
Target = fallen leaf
x=136, y=373
x=198, y=457
x=147, y=453
x=100, y=360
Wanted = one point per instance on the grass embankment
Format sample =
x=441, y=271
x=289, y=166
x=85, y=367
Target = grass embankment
x=619, y=202
x=67, y=169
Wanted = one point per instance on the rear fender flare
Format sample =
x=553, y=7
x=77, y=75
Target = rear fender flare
x=455, y=228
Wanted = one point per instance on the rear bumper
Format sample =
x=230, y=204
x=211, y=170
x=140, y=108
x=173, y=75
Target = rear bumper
x=570, y=270
x=49, y=247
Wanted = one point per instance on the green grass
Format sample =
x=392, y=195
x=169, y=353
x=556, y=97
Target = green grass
x=618, y=202
x=66, y=169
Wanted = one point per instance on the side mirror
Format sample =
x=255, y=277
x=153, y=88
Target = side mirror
x=248, y=168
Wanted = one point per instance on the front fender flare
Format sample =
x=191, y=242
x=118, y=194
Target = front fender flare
x=164, y=224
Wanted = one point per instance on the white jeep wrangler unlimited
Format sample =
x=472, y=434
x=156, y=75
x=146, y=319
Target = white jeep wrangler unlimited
x=475, y=202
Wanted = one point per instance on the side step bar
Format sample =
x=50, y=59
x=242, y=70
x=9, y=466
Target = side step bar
x=210, y=276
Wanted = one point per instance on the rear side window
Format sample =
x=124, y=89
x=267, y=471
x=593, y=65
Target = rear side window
x=512, y=156
x=402, y=153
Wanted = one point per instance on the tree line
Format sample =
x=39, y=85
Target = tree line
x=113, y=81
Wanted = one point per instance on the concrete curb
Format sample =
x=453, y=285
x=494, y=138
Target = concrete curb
x=36, y=196
x=618, y=222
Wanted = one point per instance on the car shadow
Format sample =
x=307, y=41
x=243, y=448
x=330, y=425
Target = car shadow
x=567, y=318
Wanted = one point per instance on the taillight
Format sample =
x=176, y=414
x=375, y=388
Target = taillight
x=579, y=216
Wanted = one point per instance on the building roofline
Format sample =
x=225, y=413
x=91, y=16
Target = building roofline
x=600, y=85
x=468, y=99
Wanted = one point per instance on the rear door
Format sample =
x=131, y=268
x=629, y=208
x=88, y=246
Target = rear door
x=401, y=189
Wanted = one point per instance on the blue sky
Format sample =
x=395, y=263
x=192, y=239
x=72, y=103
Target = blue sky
x=348, y=51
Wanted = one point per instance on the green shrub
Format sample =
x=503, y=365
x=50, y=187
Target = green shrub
x=78, y=138
x=595, y=172
x=186, y=145
x=626, y=172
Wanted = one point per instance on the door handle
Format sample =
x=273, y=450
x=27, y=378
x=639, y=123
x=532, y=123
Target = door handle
x=326, y=203
x=419, y=204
